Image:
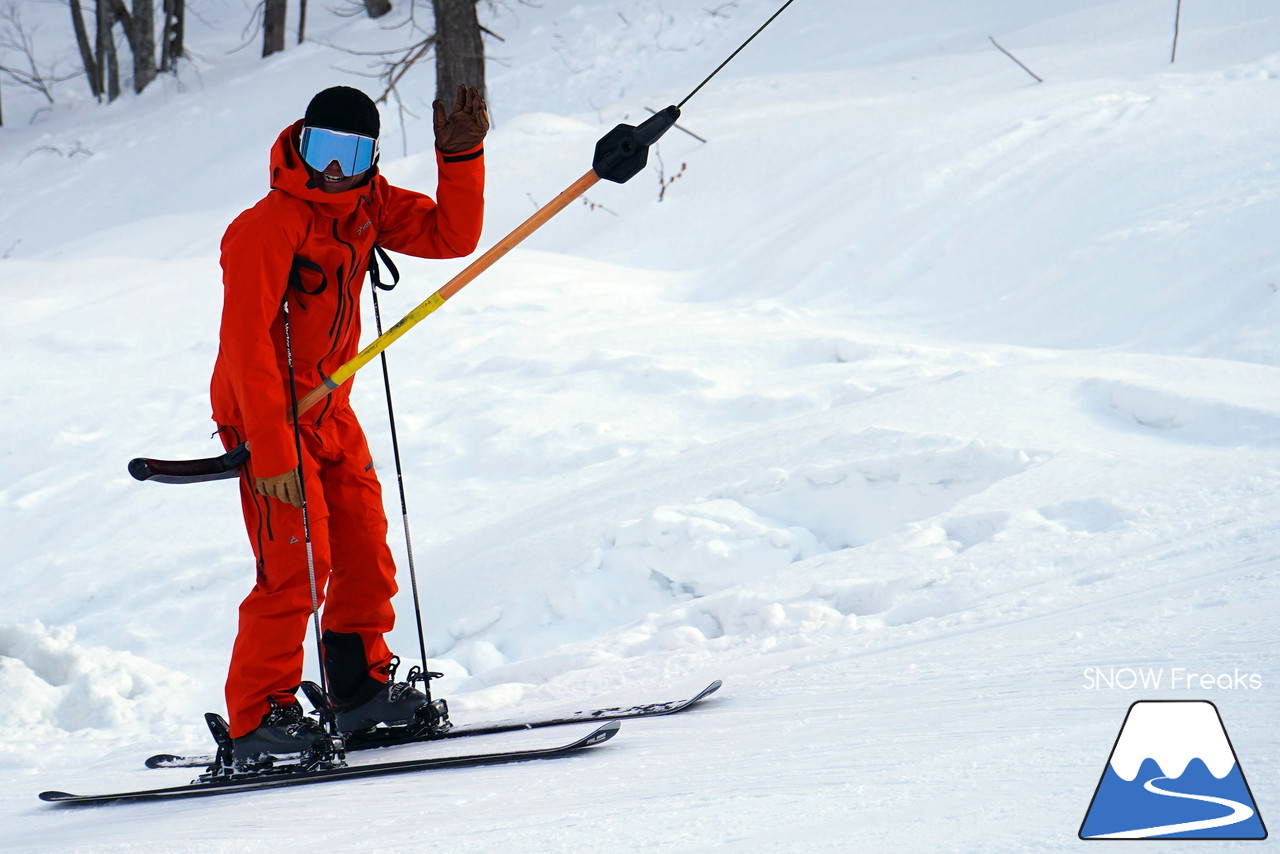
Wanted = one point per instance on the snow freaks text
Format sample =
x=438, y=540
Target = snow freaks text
x=1173, y=679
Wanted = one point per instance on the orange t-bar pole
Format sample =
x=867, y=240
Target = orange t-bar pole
x=457, y=283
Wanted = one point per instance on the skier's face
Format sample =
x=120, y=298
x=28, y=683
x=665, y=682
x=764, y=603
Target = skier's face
x=331, y=180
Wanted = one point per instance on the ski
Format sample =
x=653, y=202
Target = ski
x=390, y=737
x=280, y=777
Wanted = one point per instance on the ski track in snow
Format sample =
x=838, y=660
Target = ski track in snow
x=921, y=389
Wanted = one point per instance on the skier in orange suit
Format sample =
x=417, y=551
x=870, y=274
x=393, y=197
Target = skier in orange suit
x=294, y=265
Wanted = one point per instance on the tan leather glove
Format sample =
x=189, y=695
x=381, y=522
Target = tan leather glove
x=465, y=126
x=283, y=487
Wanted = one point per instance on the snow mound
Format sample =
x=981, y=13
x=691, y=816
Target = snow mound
x=786, y=560
x=759, y=528
x=707, y=547
x=1181, y=416
x=53, y=685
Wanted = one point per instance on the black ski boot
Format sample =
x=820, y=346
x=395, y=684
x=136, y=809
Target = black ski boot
x=285, y=733
x=395, y=703
x=360, y=701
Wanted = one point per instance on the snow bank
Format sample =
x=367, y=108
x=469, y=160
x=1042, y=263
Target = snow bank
x=51, y=686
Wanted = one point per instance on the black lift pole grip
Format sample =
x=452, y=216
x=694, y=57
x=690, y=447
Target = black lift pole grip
x=624, y=151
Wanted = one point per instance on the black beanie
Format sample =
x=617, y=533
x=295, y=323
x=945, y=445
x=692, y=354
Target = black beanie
x=343, y=108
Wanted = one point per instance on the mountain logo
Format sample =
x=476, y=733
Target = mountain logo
x=1173, y=774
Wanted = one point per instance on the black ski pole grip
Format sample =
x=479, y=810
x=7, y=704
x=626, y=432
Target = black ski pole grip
x=624, y=151
x=190, y=471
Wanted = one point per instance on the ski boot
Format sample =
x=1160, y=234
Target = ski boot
x=286, y=734
x=390, y=705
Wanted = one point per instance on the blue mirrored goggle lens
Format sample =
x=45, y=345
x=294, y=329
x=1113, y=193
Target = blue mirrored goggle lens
x=321, y=146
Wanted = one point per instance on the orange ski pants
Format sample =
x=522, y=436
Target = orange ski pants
x=354, y=571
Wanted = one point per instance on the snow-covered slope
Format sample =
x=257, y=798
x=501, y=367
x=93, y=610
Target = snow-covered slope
x=912, y=399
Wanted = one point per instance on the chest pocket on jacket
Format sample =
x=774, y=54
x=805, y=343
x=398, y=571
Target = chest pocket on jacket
x=308, y=277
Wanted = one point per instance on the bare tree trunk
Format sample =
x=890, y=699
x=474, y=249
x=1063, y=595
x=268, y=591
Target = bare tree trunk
x=86, y=50
x=140, y=31
x=105, y=47
x=101, y=62
x=302, y=22
x=377, y=8
x=142, y=42
x=113, y=65
x=171, y=39
x=273, y=24
x=459, y=48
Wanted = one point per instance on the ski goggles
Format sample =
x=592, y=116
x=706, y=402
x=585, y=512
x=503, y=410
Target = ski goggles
x=320, y=147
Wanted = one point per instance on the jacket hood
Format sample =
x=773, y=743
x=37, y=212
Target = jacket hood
x=289, y=174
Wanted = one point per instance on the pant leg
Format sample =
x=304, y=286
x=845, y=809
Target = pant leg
x=268, y=655
x=358, y=612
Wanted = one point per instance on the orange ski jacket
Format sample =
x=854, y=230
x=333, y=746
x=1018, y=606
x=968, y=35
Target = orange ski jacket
x=311, y=249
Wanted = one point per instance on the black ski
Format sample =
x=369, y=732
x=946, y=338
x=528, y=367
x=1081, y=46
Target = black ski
x=280, y=777
x=390, y=737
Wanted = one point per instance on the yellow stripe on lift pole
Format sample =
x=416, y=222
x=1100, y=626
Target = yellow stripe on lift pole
x=457, y=283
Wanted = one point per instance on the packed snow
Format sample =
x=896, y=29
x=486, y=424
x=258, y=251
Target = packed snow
x=909, y=400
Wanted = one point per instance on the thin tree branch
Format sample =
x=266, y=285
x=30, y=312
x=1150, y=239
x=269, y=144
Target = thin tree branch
x=1038, y=78
x=678, y=127
x=15, y=36
x=397, y=70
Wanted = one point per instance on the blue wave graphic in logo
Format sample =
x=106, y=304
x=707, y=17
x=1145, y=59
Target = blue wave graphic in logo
x=1195, y=805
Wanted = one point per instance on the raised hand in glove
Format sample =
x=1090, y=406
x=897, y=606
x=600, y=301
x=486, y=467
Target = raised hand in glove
x=465, y=126
x=283, y=487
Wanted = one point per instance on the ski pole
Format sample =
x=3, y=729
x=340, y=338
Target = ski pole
x=328, y=718
x=423, y=672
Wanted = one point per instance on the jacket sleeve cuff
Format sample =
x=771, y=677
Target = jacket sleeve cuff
x=273, y=453
x=461, y=156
